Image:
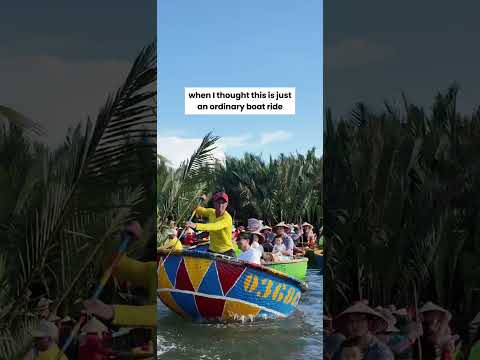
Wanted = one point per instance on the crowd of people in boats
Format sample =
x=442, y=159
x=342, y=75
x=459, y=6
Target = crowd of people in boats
x=96, y=340
x=105, y=324
x=256, y=242
x=95, y=330
x=363, y=332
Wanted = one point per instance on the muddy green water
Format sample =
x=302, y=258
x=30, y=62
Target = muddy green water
x=298, y=337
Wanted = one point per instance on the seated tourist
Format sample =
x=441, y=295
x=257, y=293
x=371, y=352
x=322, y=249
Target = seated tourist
x=279, y=246
x=279, y=252
x=280, y=230
x=351, y=350
x=190, y=238
x=44, y=344
x=172, y=241
x=257, y=241
x=248, y=254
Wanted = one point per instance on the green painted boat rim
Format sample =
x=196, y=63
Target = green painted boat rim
x=294, y=261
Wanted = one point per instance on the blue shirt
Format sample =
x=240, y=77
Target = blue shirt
x=288, y=242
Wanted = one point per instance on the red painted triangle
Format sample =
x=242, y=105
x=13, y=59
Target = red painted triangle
x=209, y=308
x=183, y=280
x=228, y=275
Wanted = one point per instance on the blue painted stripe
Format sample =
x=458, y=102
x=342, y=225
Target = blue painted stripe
x=186, y=302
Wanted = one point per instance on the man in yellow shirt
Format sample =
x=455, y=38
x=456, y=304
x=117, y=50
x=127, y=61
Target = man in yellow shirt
x=140, y=273
x=219, y=225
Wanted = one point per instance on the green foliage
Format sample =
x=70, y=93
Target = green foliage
x=63, y=208
x=402, y=205
x=178, y=189
x=288, y=188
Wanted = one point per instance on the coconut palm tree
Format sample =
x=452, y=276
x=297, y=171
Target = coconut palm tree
x=179, y=188
x=402, y=196
x=68, y=204
x=288, y=188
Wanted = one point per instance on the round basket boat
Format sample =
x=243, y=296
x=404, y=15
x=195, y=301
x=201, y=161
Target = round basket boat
x=296, y=268
x=202, y=286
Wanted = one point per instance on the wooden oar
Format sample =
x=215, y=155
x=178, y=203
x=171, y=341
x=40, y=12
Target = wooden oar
x=416, y=319
x=126, y=238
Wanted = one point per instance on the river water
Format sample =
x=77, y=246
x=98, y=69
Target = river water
x=298, y=337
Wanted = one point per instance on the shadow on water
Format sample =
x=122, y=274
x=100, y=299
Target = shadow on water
x=298, y=337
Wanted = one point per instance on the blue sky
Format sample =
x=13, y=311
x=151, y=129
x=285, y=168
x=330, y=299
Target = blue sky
x=232, y=44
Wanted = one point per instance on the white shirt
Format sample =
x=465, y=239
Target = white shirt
x=251, y=255
x=279, y=248
x=255, y=245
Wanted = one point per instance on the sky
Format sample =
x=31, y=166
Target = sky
x=60, y=60
x=213, y=43
x=375, y=50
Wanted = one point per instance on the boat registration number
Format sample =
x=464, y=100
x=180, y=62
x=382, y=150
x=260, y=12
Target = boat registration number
x=269, y=289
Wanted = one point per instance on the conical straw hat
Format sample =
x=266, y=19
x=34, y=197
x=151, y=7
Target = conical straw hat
x=401, y=312
x=259, y=234
x=43, y=303
x=307, y=224
x=281, y=224
x=94, y=326
x=430, y=306
x=378, y=323
x=254, y=225
x=387, y=315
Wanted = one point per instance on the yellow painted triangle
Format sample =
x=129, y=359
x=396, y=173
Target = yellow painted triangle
x=168, y=300
x=234, y=310
x=196, y=268
x=163, y=280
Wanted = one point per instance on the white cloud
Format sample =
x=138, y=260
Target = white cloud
x=234, y=141
x=279, y=135
x=178, y=149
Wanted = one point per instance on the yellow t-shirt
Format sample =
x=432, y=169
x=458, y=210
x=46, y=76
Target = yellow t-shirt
x=142, y=274
x=475, y=352
x=172, y=243
x=53, y=353
x=220, y=229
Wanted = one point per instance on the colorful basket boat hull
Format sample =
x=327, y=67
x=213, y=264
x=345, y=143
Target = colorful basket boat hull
x=296, y=268
x=208, y=287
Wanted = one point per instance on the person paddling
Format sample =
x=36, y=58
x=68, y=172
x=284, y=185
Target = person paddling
x=219, y=225
x=140, y=273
